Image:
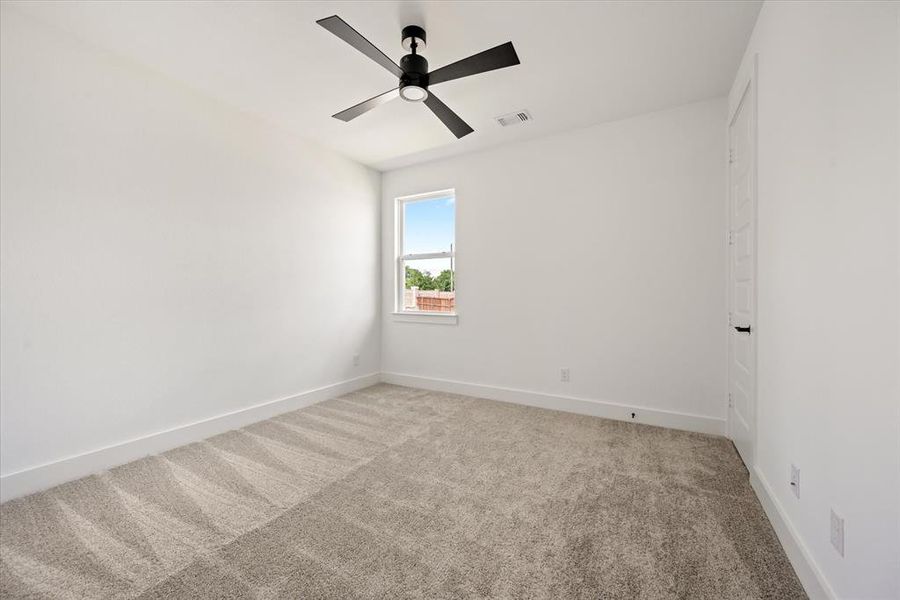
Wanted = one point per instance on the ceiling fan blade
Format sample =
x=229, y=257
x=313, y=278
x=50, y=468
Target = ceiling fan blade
x=366, y=105
x=498, y=57
x=449, y=118
x=340, y=28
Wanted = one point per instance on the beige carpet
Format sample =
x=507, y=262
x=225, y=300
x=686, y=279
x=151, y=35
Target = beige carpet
x=393, y=492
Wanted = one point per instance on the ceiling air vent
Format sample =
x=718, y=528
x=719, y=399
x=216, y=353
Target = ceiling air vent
x=522, y=116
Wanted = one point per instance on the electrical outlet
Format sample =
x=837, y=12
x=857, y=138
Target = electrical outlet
x=564, y=375
x=356, y=360
x=795, y=480
x=837, y=532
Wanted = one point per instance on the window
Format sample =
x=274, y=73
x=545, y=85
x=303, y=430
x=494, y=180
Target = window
x=426, y=254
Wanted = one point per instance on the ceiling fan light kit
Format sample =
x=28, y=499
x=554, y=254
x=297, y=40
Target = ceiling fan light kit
x=413, y=93
x=412, y=72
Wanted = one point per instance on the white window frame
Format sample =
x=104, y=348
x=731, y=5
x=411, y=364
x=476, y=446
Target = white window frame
x=400, y=259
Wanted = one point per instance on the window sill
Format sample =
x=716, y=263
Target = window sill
x=433, y=318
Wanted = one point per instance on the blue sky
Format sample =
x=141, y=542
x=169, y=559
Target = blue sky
x=429, y=227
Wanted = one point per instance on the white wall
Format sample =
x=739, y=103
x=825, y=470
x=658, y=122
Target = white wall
x=601, y=250
x=828, y=297
x=165, y=258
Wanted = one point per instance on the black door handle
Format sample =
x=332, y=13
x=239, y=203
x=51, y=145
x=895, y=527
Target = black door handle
x=742, y=329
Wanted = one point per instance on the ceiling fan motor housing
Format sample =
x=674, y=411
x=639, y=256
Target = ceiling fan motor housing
x=415, y=74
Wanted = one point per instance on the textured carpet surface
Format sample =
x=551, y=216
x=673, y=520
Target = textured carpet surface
x=394, y=492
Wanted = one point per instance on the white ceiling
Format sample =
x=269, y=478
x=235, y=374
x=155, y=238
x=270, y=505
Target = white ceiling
x=582, y=62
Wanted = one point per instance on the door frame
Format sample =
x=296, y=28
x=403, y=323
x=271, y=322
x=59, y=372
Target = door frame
x=744, y=91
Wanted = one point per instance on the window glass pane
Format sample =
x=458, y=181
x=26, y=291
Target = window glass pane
x=428, y=225
x=430, y=285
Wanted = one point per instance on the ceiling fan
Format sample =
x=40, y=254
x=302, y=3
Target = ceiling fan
x=413, y=71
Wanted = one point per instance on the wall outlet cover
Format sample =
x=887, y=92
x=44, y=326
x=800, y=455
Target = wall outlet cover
x=564, y=375
x=837, y=532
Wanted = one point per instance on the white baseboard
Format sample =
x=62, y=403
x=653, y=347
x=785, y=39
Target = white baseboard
x=584, y=406
x=48, y=475
x=809, y=573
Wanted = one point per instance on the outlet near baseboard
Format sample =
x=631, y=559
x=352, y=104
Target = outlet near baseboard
x=837, y=532
x=795, y=480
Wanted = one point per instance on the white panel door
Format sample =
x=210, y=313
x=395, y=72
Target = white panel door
x=742, y=277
